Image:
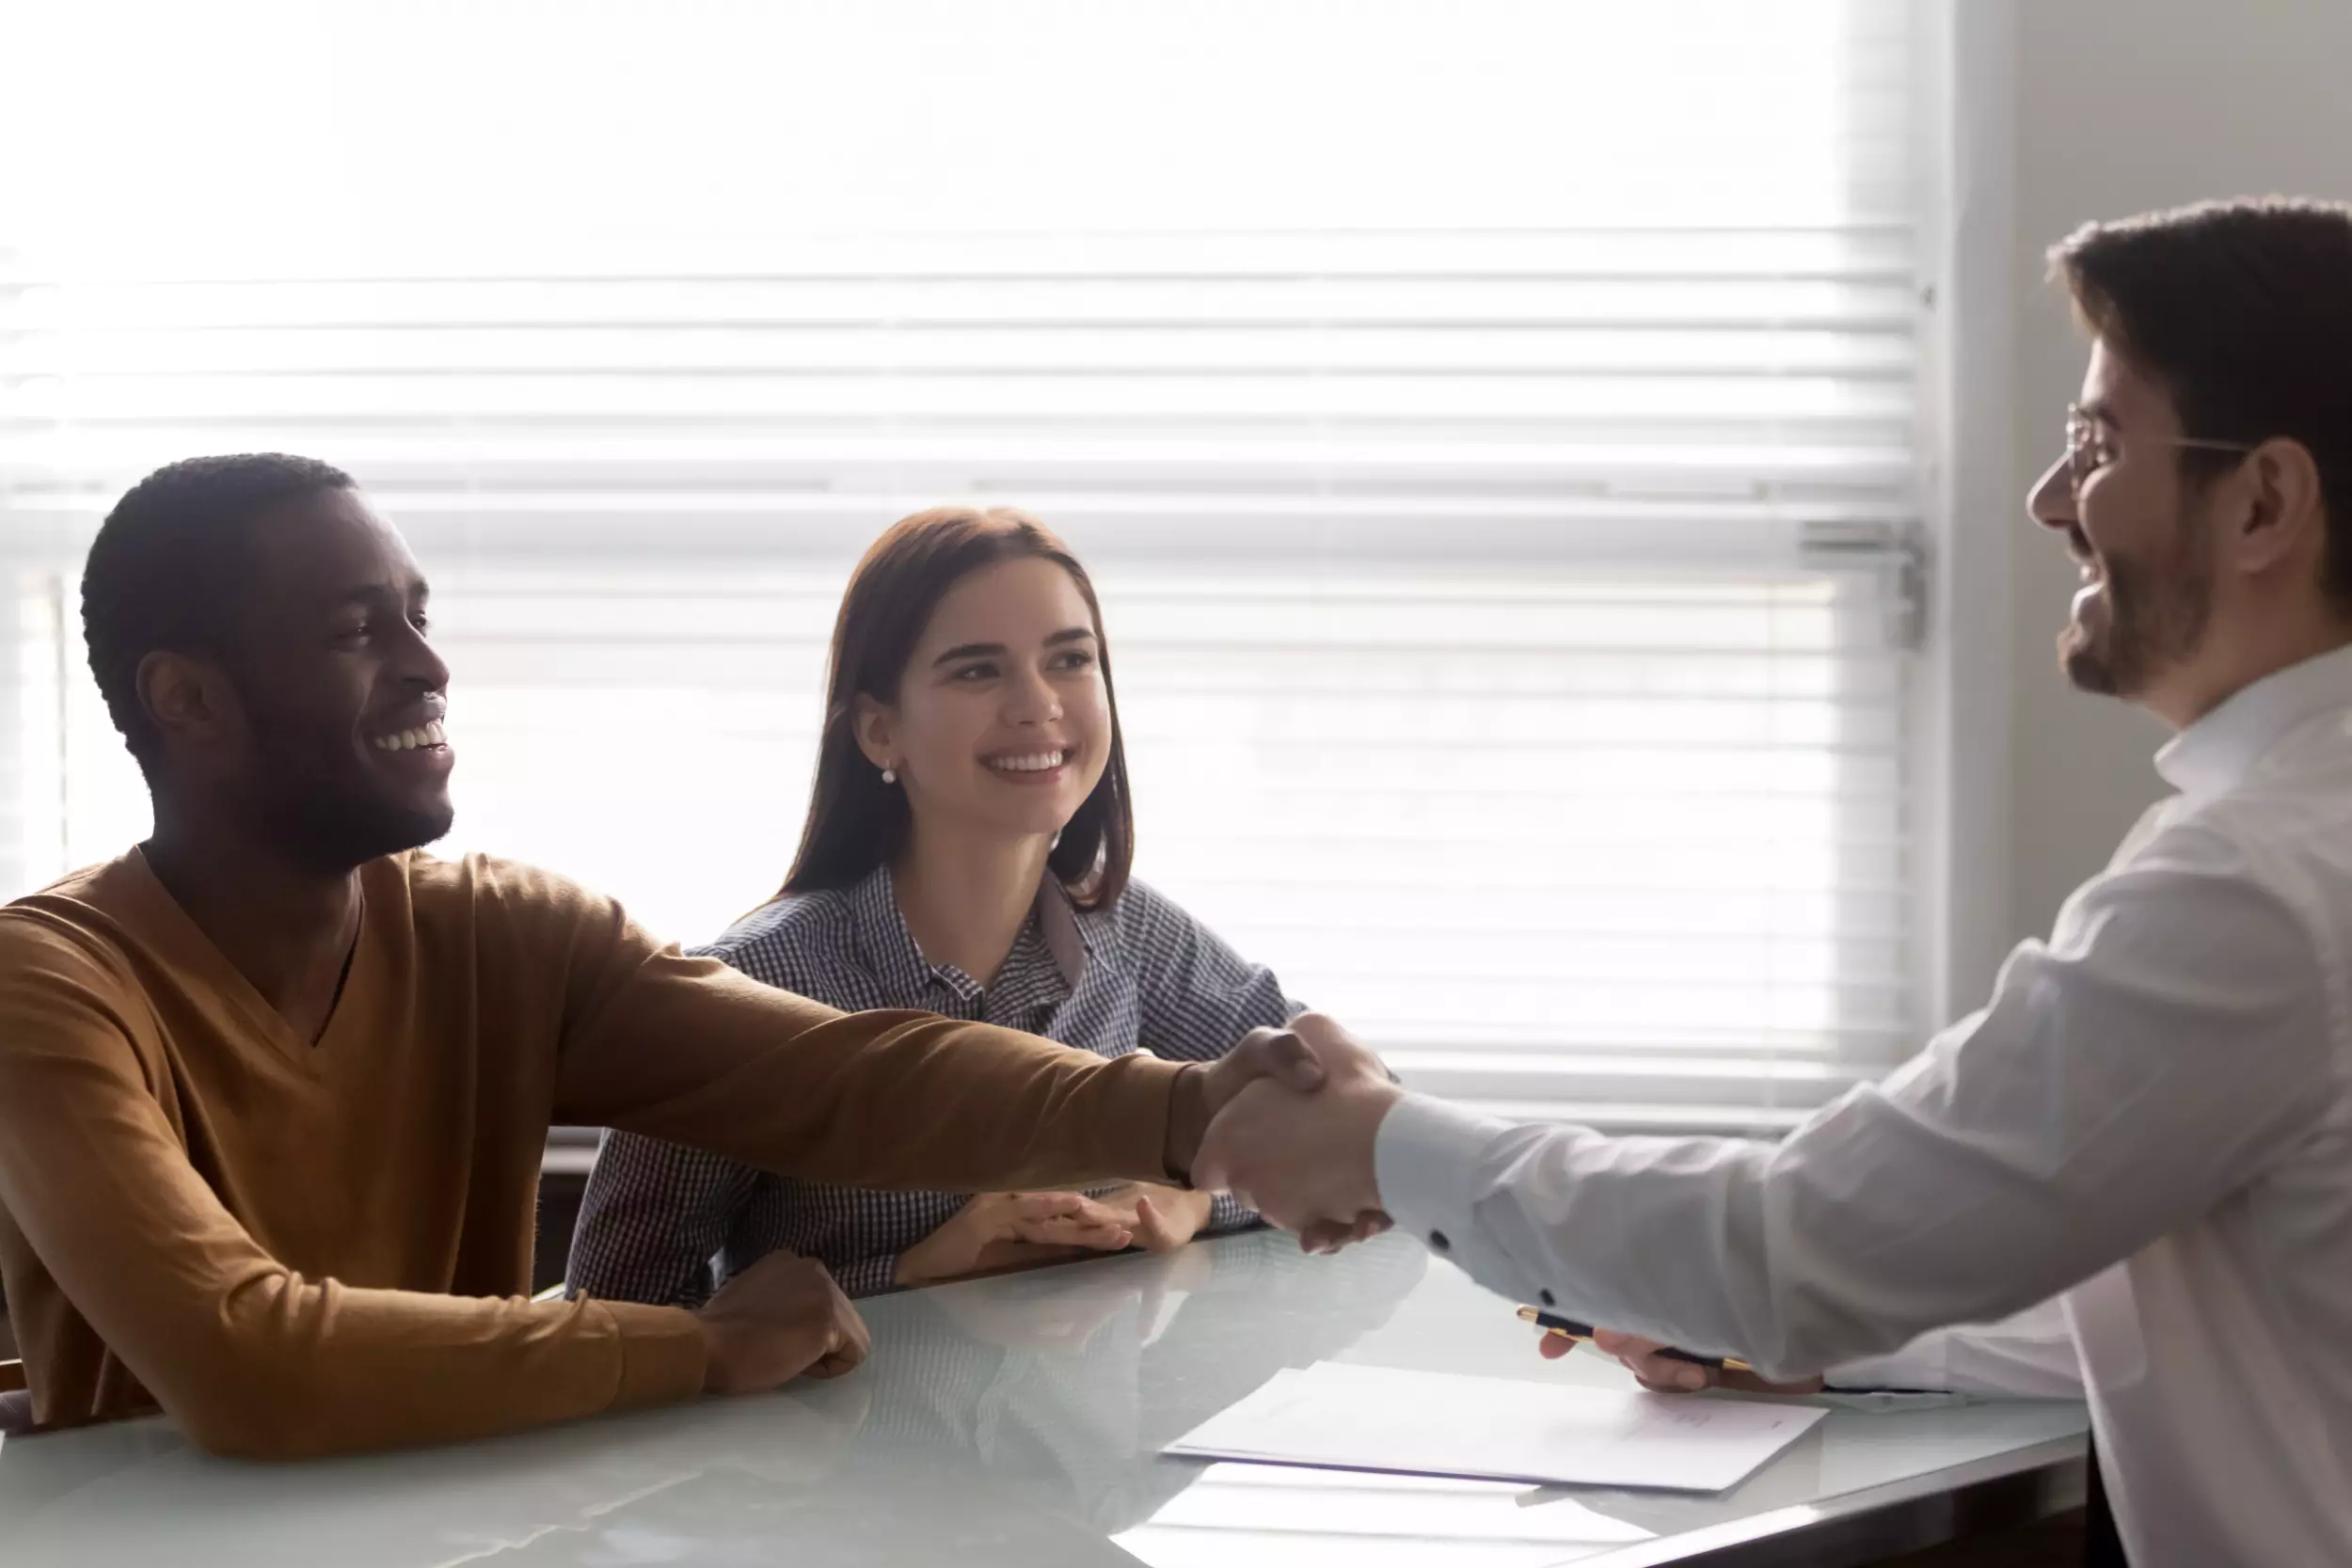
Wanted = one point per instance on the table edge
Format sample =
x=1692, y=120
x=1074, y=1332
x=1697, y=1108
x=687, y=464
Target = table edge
x=1995, y=1492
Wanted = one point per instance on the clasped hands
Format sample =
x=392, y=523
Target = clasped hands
x=1294, y=1133
x=1286, y=1121
x=1294, y=1117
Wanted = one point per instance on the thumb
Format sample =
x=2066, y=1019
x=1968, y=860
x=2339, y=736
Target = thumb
x=1151, y=1232
x=1291, y=1062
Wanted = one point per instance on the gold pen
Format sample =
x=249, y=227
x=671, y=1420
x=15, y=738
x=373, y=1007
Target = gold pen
x=1568, y=1328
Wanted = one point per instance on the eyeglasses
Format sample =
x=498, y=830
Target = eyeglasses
x=2089, y=449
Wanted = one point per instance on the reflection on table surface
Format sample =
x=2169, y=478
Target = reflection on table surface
x=1004, y=1421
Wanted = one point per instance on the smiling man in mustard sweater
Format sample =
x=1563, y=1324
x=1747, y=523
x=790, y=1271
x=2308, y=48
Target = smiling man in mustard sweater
x=275, y=1083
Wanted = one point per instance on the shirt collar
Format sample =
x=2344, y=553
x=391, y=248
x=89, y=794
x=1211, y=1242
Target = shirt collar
x=1067, y=936
x=2218, y=752
x=891, y=951
x=882, y=936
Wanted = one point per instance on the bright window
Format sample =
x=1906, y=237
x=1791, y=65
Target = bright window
x=1491, y=425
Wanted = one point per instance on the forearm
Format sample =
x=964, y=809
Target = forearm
x=250, y=1356
x=292, y=1369
x=2171, y=1043
x=253, y=1358
x=1695, y=1243
x=691, y=1052
x=2028, y=1356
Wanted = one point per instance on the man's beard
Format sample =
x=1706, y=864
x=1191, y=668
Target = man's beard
x=326, y=817
x=2156, y=617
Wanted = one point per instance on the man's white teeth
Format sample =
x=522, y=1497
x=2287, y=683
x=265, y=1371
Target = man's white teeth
x=1034, y=762
x=408, y=740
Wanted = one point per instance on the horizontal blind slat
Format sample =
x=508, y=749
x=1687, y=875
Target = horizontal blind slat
x=1482, y=662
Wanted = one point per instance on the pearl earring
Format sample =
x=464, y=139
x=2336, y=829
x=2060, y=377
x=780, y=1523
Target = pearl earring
x=890, y=775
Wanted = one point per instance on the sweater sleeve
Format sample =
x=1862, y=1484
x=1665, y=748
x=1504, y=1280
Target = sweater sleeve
x=251, y=1358
x=691, y=1051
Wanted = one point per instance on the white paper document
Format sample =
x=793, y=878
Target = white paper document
x=1498, y=1429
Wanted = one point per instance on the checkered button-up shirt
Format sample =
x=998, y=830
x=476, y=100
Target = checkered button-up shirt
x=666, y=1223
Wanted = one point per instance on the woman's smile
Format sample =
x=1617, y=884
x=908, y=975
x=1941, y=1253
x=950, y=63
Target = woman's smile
x=1031, y=765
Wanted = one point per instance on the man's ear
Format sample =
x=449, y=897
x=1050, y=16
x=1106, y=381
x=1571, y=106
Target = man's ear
x=189, y=699
x=874, y=723
x=2284, y=512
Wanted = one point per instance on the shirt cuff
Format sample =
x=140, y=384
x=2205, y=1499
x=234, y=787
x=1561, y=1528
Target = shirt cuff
x=1425, y=1162
x=868, y=1276
x=1228, y=1213
x=661, y=1355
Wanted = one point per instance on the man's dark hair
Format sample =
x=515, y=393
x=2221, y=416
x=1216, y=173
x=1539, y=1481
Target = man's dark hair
x=167, y=566
x=2243, y=310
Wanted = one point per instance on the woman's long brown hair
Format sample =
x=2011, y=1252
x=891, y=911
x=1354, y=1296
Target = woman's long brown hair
x=855, y=821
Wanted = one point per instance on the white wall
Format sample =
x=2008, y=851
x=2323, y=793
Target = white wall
x=2122, y=106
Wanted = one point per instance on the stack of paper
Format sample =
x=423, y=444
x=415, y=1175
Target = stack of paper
x=1498, y=1429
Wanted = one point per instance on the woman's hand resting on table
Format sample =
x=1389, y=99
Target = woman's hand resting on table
x=1160, y=1218
x=1005, y=1230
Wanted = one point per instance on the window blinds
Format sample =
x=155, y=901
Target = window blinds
x=1511, y=621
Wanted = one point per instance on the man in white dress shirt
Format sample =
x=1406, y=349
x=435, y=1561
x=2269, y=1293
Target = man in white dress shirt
x=2153, y=1117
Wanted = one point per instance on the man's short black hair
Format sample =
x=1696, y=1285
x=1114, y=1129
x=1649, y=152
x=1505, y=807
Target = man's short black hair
x=168, y=563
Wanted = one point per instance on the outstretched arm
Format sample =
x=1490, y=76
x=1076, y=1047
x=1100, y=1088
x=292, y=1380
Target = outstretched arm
x=691, y=1051
x=2174, y=1043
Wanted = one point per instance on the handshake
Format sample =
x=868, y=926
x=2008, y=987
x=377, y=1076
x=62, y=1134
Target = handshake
x=1288, y=1122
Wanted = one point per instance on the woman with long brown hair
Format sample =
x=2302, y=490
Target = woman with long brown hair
x=966, y=853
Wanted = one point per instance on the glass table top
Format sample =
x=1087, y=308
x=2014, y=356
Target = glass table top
x=1000, y=1421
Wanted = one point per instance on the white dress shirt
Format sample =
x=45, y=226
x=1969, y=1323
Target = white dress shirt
x=2031, y=1355
x=2153, y=1117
